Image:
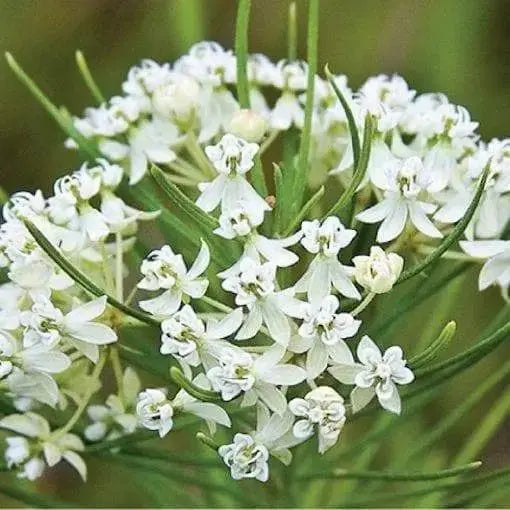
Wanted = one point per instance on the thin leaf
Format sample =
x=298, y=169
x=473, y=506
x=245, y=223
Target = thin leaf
x=31, y=498
x=81, y=279
x=454, y=235
x=471, y=355
x=353, y=128
x=338, y=474
x=292, y=33
x=195, y=391
x=241, y=50
x=88, y=78
x=304, y=211
x=182, y=201
x=360, y=170
x=483, y=431
x=188, y=17
x=85, y=146
x=438, y=344
x=312, y=39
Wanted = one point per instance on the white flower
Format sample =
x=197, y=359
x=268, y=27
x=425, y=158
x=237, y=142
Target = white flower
x=376, y=374
x=149, y=142
x=239, y=372
x=55, y=447
x=33, y=469
x=321, y=409
x=47, y=324
x=241, y=222
x=254, y=286
x=497, y=268
x=232, y=157
x=246, y=458
x=402, y=182
x=323, y=332
x=17, y=451
x=188, y=339
x=378, y=271
x=155, y=411
x=325, y=270
x=163, y=269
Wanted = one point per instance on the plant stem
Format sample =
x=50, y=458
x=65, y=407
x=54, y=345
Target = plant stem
x=366, y=301
x=85, y=400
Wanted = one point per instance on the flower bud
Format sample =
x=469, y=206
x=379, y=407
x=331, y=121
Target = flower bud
x=248, y=125
x=33, y=469
x=379, y=271
x=17, y=451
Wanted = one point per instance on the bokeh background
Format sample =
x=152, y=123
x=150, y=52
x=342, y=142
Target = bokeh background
x=459, y=47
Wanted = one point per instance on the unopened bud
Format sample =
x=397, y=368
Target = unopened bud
x=379, y=271
x=248, y=125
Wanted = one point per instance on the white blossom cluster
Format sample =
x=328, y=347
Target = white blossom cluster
x=282, y=337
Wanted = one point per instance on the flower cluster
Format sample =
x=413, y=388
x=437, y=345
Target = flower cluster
x=253, y=306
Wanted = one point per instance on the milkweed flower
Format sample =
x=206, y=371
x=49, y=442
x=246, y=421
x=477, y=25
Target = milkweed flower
x=325, y=271
x=375, y=374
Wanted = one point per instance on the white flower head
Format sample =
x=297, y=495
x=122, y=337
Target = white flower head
x=378, y=271
x=232, y=158
x=322, y=409
x=246, y=458
x=187, y=338
x=403, y=181
x=323, y=332
x=255, y=376
x=326, y=240
x=17, y=451
x=164, y=269
x=375, y=374
x=155, y=411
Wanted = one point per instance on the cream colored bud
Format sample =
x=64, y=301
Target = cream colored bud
x=379, y=271
x=248, y=125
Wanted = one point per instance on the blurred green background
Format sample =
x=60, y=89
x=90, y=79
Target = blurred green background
x=459, y=47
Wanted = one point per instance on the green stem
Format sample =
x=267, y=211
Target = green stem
x=366, y=301
x=338, y=474
x=85, y=400
x=304, y=211
x=454, y=235
x=306, y=139
x=292, y=33
x=353, y=128
x=87, y=77
x=83, y=280
x=360, y=170
x=241, y=50
x=195, y=391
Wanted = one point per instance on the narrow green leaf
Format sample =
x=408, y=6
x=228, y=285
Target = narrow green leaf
x=195, y=391
x=88, y=78
x=31, y=498
x=175, y=458
x=359, y=171
x=471, y=355
x=454, y=235
x=182, y=201
x=4, y=196
x=241, y=50
x=450, y=419
x=338, y=474
x=85, y=146
x=312, y=39
x=353, y=128
x=292, y=33
x=483, y=431
x=189, y=22
x=81, y=279
x=304, y=211
x=438, y=344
